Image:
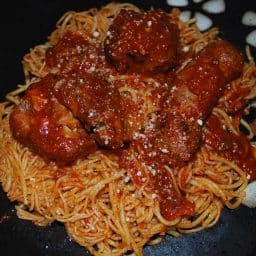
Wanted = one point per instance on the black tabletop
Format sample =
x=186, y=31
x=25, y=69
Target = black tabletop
x=27, y=23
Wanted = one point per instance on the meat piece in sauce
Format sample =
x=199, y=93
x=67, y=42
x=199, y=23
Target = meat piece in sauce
x=178, y=132
x=43, y=124
x=196, y=90
x=142, y=42
x=94, y=102
x=74, y=52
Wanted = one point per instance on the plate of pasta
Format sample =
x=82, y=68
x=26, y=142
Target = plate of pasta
x=127, y=128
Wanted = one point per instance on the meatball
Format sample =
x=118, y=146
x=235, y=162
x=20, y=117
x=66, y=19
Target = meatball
x=74, y=52
x=142, y=42
x=95, y=103
x=49, y=128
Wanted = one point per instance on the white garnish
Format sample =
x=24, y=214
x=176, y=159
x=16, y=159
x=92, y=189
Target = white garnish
x=139, y=173
x=154, y=196
x=149, y=23
x=200, y=122
x=91, y=112
x=126, y=179
x=185, y=48
x=152, y=170
x=95, y=34
x=106, y=141
x=91, y=69
x=138, y=135
x=164, y=150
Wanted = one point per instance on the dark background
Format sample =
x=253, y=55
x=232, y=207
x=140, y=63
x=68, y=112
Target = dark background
x=27, y=23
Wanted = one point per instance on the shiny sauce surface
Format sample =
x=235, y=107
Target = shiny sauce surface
x=235, y=148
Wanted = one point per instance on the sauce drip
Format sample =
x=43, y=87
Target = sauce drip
x=235, y=148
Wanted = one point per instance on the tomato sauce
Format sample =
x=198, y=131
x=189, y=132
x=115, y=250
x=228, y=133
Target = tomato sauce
x=235, y=148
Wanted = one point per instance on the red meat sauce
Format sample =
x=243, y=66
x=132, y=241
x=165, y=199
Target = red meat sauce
x=76, y=53
x=147, y=170
x=236, y=148
x=234, y=99
x=77, y=108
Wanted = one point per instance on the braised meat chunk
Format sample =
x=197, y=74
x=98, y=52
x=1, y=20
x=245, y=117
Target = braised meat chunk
x=196, y=89
x=74, y=52
x=94, y=102
x=142, y=42
x=203, y=80
x=43, y=124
